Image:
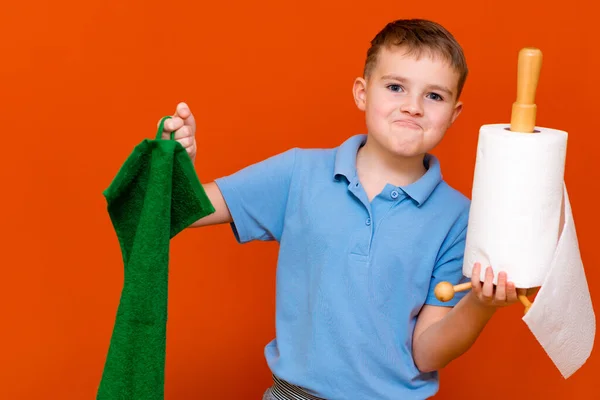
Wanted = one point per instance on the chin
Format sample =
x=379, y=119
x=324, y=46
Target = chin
x=401, y=147
x=401, y=142
x=407, y=153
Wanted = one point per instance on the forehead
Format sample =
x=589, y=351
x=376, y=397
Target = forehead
x=424, y=66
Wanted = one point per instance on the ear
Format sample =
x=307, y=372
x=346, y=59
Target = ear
x=457, y=110
x=359, y=90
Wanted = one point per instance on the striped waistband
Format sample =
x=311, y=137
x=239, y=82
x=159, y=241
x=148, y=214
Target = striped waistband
x=283, y=390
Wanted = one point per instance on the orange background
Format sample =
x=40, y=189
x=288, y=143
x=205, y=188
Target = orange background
x=84, y=82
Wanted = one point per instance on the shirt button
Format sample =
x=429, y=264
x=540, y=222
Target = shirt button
x=394, y=194
x=368, y=221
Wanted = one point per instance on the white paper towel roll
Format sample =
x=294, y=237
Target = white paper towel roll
x=516, y=203
x=521, y=223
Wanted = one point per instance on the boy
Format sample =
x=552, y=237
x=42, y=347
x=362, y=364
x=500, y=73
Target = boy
x=366, y=230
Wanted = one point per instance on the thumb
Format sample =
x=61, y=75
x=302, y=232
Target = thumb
x=184, y=112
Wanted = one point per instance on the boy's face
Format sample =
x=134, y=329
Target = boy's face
x=409, y=103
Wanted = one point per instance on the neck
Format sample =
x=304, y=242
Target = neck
x=376, y=167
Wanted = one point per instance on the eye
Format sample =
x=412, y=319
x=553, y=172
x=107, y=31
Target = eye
x=436, y=97
x=394, y=87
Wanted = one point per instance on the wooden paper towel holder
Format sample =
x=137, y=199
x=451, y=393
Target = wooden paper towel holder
x=523, y=118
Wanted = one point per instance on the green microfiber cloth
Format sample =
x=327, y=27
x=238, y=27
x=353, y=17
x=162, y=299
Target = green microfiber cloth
x=155, y=195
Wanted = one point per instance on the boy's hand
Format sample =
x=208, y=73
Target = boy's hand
x=503, y=294
x=184, y=126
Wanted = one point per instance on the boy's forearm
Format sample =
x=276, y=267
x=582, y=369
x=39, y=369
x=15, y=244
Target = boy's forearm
x=452, y=335
x=221, y=214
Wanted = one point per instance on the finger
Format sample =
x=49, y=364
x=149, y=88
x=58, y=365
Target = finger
x=511, y=292
x=171, y=125
x=475, y=279
x=173, y=121
x=184, y=112
x=487, y=291
x=191, y=150
x=501, y=287
x=186, y=142
x=184, y=132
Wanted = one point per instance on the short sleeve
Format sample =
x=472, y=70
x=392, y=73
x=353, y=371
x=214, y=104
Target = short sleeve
x=449, y=266
x=257, y=197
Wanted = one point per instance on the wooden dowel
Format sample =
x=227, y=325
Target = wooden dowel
x=445, y=291
x=522, y=120
x=525, y=301
x=524, y=108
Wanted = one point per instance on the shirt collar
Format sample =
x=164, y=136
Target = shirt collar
x=419, y=191
x=345, y=157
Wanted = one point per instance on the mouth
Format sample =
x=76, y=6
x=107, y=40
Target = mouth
x=407, y=123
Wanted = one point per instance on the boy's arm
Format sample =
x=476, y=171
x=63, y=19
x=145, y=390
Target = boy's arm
x=444, y=333
x=221, y=214
x=256, y=197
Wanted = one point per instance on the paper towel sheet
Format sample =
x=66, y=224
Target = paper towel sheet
x=521, y=222
x=562, y=317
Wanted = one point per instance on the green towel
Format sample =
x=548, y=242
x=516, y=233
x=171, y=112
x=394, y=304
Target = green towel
x=155, y=195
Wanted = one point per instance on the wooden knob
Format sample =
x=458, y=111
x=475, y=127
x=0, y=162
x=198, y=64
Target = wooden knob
x=524, y=108
x=444, y=291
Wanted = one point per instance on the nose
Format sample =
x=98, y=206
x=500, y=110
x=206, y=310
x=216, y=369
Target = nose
x=412, y=106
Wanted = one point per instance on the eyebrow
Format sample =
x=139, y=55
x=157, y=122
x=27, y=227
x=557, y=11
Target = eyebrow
x=434, y=87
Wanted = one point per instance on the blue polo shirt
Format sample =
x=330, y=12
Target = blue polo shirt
x=352, y=275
